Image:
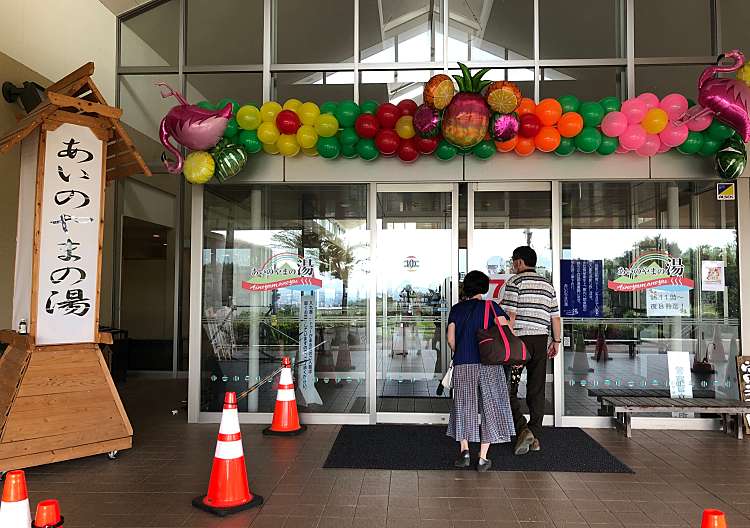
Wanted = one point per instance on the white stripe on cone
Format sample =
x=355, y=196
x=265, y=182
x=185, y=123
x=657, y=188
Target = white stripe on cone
x=230, y=422
x=286, y=377
x=285, y=395
x=229, y=450
x=15, y=514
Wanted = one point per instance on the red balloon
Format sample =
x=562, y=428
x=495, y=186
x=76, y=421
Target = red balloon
x=407, y=150
x=366, y=126
x=287, y=122
x=407, y=107
x=387, y=141
x=529, y=125
x=388, y=114
x=426, y=145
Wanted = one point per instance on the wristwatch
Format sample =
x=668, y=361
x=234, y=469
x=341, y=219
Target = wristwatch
x=556, y=340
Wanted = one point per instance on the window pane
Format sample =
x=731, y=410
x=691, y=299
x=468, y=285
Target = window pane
x=394, y=86
x=734, y=15
x=143, y=109
x=250, y=234
x=580, y=29
x=486, y=30
x=310, y=86
x=320, y=31
x=407, y=31
x=245, y=88
x=588, y=84
x=152, y=37
x=226, y=32
x=672, y=28
x=663, y=80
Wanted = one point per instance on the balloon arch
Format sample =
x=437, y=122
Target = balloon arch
x=479, y=118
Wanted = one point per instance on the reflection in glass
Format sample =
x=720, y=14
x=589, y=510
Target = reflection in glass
x=239, y=39
x=663, y=80
x=151, y=38
x=317, y=87
x=672, y=28
x=242, y=87
x=734, y=15
x=581, y=29
x=588, y=84
x=309, y=32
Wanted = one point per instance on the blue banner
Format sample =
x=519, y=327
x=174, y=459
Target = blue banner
x=581, y=288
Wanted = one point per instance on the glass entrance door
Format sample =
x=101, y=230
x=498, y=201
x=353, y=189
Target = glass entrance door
x=417, y=262
x=502, y=217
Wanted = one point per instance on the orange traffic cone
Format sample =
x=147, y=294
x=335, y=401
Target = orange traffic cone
x=48, y=515
x=14, y=508
x=228, y=490
x=713, y=519
x=285, y=417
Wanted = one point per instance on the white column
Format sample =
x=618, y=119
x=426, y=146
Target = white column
x=673, y=222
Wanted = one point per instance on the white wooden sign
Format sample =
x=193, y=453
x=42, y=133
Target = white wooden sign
x=69, y=227
x=308, y=394
x=680, y=378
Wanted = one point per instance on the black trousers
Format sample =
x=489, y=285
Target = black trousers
x=536, y=380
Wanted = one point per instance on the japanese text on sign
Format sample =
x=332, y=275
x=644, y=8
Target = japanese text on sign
x=582, y=286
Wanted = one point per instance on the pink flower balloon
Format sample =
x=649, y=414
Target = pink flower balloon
x=701, y=122
x=621, y=150
x=633, y=137
x=614, y=124
x=674, y=136
x=649, y=99
x=674, y=105
x=634, y=110
x=650, y=147
x=663, y=148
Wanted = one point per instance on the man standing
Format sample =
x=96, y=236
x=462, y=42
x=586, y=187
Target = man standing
x=531, y=303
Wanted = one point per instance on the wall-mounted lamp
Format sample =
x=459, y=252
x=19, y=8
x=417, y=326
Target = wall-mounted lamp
x=27, y=97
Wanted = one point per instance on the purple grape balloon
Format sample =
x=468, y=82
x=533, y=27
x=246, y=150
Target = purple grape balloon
x=427, y=121
x=503, y=126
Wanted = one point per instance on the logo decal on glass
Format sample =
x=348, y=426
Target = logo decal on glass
x=284, y=270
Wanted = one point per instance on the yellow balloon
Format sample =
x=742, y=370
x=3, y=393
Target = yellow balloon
x=293, y=105
x=248, y=117
x=270, y=148
x=269, y=110
x=287, y=145
x=743, y=74
x=306, y=136
x=655, y=121
x=199, y=167
x=268, y=134
x=326, y=125
x=308, y=112
x=405, y=127
x=312, y=152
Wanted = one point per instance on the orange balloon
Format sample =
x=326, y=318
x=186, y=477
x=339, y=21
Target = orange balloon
x=506, y=146
x=570, y=124
x=525, y=146
x=547, y=139
x=548, y=111
x=526, y=106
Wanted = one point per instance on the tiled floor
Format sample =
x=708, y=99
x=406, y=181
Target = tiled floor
x=678, y=473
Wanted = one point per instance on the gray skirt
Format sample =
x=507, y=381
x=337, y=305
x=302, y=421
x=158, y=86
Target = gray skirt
x=480, y=389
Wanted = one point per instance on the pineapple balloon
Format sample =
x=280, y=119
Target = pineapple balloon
x=467, y=116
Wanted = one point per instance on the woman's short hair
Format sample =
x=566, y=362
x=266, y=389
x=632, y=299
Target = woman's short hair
x=475, y=283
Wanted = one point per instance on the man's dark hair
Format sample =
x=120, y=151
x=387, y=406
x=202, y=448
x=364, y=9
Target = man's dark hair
x=526, y=254
x=475, y=283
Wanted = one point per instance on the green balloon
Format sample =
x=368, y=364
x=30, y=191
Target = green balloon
x=328, y=147
x=589, y=139
x=249, y=140
x=205, y=105
x=710, y=146
x=349, y=151
x=610, y=104
x=608, y=145
x=445, y=151
x=369, y=107
x=719, y=130
x=366, y=149
x=731, y=159
x=569, y=103
x=232, y=128
x=223, y=103
x=346, y=113
x=692, y=144
x=348, y=136
x=592, y=113
x=329, y=107
x=691, y=102
x=484, y=150
x=566, y=148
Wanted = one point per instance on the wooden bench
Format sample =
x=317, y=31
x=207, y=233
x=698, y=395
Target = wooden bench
x=637, y=392
x=731, y=411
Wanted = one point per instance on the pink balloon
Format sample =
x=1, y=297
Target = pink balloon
x=634, y=110
x=649, y=99
x=650, y=147
x=674, y=105
x=673, y=136
x=614, y=124
x=621, y=150
x=633, y=137
x=663, y=148
x=700, y=123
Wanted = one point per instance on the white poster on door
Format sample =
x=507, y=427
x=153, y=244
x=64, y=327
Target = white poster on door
x=712, y=275
x=668, y=302
x=308, y=394
x=680, y=379
x=69, y=237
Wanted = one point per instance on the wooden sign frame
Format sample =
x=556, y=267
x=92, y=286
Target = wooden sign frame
x=743, y=383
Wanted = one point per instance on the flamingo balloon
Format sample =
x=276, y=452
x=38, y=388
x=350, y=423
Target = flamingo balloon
x=728, y=99
x=191, y=126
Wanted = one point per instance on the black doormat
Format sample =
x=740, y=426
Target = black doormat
x=414, y=447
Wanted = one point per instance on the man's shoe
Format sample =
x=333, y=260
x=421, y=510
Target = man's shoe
x=483, y=465
x=524, y=441
x=535, y=445
x=463, y=461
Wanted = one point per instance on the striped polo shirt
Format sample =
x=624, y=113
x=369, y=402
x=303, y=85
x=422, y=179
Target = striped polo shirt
x=534, y=301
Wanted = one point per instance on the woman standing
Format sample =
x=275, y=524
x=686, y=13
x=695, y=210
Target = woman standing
x=477, y=388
